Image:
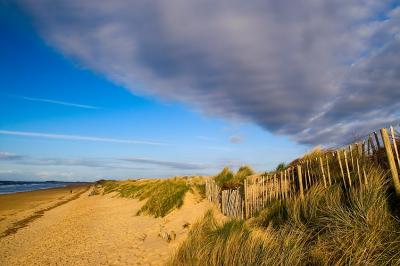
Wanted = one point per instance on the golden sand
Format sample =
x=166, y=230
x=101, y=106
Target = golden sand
x=95, y=230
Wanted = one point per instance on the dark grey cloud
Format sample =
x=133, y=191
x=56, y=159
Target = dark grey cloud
x=170, y=164
x=313, y=70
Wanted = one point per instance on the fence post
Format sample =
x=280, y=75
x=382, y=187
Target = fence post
x=327, y=167
x=246, y=207
x=392, y=164
x=341, y=169
x=377, y=140
x=395, y=145
x=299, y=176
x=347, y=167
x=322, y=170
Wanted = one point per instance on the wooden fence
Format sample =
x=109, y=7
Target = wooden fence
x=347, y=166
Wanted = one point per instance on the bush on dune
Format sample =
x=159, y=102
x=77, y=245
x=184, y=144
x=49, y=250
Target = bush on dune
x=329, y=227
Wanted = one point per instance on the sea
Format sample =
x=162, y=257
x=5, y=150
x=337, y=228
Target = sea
x=7, y=187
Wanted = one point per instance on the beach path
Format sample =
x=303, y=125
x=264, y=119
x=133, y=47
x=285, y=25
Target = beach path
x=99, y=230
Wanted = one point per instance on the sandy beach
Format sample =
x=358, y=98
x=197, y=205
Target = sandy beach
x=89, y=230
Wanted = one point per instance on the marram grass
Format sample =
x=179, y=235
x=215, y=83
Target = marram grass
x=226, y=178
x=329, y=227
x=162, y=196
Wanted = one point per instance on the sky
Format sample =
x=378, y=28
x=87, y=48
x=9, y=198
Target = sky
x=129, y=89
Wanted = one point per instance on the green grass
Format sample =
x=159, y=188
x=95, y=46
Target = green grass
x=329, y=227
x=281, y=167
x=226, y=178
x=162, y=196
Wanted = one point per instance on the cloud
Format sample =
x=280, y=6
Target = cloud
x=236, y=139
x=76, y=137
x=84, y=106
x=170, y=164
x=9, y=156
x=85, y=162
x=313, y=70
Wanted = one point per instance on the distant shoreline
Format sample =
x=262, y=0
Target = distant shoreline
x=12, y=187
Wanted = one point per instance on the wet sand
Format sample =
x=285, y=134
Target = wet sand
x=98, y=230
x=18, y=206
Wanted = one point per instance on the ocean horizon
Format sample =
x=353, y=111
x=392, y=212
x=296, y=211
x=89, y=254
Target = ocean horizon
x=9, y=187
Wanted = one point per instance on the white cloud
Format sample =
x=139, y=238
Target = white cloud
x=9, y=156
x=84, y=106
x=77, y=137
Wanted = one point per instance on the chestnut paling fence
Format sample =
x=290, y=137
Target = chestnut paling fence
x=347, y=165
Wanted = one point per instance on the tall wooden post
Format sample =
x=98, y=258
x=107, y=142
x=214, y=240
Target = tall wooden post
x=392, y=163
x=299, y=176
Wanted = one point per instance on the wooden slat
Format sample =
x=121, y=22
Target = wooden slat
x=377, y=140
x=347, y=167
x=341, y=168
x=390, y=157
x=323, y=172
x=358, y=172
x=299, y=175
x=327, y=167
x=395, y=146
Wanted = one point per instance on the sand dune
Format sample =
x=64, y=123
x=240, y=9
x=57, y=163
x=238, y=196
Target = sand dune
x=99, y=230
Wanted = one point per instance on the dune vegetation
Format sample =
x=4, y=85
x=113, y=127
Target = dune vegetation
x=161, y=195
x=226, y=178
x=330, y=226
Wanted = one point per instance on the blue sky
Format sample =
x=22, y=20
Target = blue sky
x=63, y=120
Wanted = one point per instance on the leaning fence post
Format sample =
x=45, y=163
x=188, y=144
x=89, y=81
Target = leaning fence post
x=300, y=181
x=392, y=164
